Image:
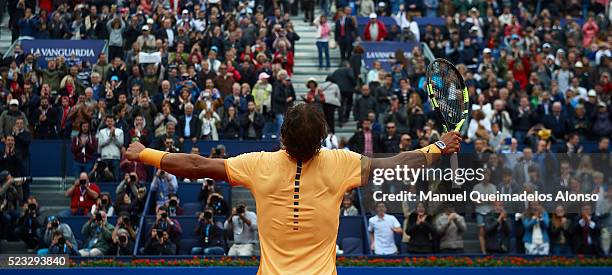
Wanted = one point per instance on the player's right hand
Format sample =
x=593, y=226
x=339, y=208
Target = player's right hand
x=133, y=152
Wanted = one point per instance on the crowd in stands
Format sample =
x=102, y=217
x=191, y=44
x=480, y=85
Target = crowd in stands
x=537, y=72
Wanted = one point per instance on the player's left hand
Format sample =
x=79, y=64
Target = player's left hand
x=452, y=141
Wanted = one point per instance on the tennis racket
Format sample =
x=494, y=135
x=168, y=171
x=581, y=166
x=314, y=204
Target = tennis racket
x=449, y=97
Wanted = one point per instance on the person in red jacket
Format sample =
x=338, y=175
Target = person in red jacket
x=315, y=95
x=284, y=57
x=374, y=30
x=83, y=195
x=84, y=147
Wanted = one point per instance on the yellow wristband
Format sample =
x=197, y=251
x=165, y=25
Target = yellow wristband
x=429, y=151
x=152, y=157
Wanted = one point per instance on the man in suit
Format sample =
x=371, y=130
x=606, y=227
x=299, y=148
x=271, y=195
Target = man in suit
x=345, y=32
x=520, y=172
x=346, y=80
x=557, y=122
x=587, y=232
x=167, y=34
x=189, y=126
x=252, y=122
x=365, y=141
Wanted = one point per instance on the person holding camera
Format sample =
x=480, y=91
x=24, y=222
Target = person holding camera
x=129, y=185
x=98, y=233
x=11, y=195
x=60, y=245
x=164, y=184
x=167, y=224
x=210, y=235
x=243, y=224
x=29, y=229
x=55, y=225
x=123, y=236
x=218, y=204
x=101, y=172
x=174, y=208
x=104, y=203
x=160, y=243
x=83, y=194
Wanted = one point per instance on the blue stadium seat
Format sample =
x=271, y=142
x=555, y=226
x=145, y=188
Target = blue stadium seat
x=186, y=246
x=191, y=208
x=108, y=187
x=352, y=227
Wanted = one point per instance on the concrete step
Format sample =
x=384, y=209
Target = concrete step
x=13, y=248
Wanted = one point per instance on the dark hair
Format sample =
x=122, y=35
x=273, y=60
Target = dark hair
x=302, y=132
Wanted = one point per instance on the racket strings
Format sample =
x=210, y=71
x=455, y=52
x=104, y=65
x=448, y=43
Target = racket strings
x=448, y=92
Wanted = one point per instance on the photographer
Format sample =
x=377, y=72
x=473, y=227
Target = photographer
x=165, y=184
x=167, y=224
x=83, y=196
x=218, y=152
x=101, y=172
x=104, y=203
x=54, y=225
x=208, y=187
x=218, y=204
x=29, y=229
x=209, y=234
x=129, y=185
x=11, y=194
x=160, y=243
x=98, y=234
x=174, y=208
x=60, y=245
x=123, y=236
x=243, y=224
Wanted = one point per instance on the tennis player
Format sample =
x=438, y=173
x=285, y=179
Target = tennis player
x=298, y=189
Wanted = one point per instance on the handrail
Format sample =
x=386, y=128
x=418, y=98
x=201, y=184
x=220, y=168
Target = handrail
x=141, y=223
x=365, y=223
x=427, y=52
x=12, y=46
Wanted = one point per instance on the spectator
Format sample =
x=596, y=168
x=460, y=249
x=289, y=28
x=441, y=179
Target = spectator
x=231, y=124
x=217, y=204
x=364, y=141
x=483, y=209
x=9, y=117
x=83, y=195
x=450, y=226
x=110, y=145
x=252, y=123
x=45, y=120
x=189, y=126
x=346, y=78
x=536, y=224
x=11, y=193
x=242, y=223
x=345, y=32
x=123, y=244
x=603, y=209
x=164, y=184
x=347, y=208
x=381, y=228
x=315, y=95
x=559, y=232
x=98, y=233
x=391, y=139
x=331, y=93
x=374, y=30
x=210, y=236
x=9, y=160
x=139, y=132
x=396, y=114
x=166, y=225
x=421, y=230
x=84, y=147
x=322, y=39
x=496, y=231
x=587, y=232
x=101, y=172
x=365, y=104
x=129, y=185
x=409, y=27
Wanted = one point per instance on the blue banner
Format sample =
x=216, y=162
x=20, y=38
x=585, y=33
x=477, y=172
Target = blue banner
x=385, y=52
x=76, y=51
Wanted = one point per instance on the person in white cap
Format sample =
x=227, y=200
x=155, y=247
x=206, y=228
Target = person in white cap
x=374, y=30
x=261, y=93
x=9, y=117
x=146, y=40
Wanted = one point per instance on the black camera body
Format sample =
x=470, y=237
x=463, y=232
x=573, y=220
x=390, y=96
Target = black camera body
x=208, y=215
x=123, y=239
x=61, y=241
x=98, y=217
x=240, y=209
x=31, y=206
x=160, y=233
x=82, y=182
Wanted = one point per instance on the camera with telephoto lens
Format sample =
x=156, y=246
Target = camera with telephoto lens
x=132, y=178
x=104, y=201
x=173, y=203
x=31, y=206
x=82, y=182
x=162, y=173
x=240, y=209
x=164, y=215
x=98, y=217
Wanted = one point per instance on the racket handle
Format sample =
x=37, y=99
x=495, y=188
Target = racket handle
x=454, y=163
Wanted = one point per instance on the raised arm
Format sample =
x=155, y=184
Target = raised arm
x=416, y=158
x=181, y=165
